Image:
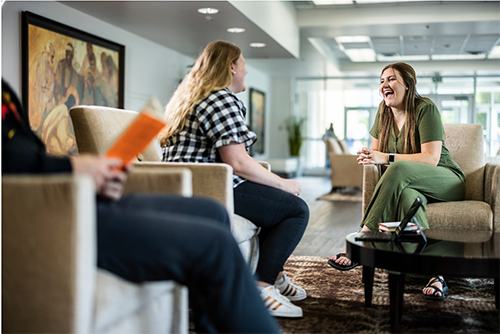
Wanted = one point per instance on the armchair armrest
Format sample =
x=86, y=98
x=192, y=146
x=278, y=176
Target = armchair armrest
x=176, y=181
x=371, y=176
x=492, y=191
x=213, y=180
x=345, y=170
x=48, y=253
x=265, y=164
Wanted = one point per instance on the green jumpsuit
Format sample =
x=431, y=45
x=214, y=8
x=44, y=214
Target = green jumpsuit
x=403, y=181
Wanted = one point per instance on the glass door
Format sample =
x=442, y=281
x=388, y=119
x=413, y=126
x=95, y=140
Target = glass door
x=455, y=108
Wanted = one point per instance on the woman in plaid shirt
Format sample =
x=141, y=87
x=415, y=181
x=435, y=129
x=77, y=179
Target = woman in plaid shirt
x=206, y=123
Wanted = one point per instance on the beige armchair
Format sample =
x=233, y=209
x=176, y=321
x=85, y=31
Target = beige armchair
x=345, y=169
x=481, y=209
x=50, y=280
x=96, y=128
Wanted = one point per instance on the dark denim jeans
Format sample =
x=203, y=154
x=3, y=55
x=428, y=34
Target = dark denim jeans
x=283, y=218
x=145, y=238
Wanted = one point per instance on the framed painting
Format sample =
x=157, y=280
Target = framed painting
x=257, y=120
x=63, y=67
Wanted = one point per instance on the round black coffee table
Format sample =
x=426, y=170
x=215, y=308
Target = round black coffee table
x=448, y=253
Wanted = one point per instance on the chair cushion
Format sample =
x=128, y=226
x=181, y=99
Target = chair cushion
x=243, y=229
x=334, y=146
x=118, y=302
x=461, y=215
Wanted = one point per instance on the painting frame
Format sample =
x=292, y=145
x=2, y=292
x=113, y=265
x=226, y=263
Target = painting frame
x=61, y=67
x=258, y=120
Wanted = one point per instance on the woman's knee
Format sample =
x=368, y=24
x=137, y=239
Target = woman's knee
x=212, y=209
x=301, y=210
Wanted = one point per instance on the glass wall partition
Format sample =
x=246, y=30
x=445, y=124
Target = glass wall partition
x=350, y=104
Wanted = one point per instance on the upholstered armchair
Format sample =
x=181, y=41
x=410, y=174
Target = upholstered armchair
x=481, y=209
x=97, y=127
x=50, y=279
x=345, y=169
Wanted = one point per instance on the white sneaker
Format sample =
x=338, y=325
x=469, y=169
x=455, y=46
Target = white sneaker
x=278, y=305
x=290, y=290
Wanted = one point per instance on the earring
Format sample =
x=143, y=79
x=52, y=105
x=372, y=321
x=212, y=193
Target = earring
x=234, y=72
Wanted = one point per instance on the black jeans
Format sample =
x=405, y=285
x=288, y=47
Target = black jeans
x=144, y=238
x=283, y=218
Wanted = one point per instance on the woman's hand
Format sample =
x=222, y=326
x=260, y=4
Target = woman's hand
x=291, y=186
x=108, y=174
x=370, y=156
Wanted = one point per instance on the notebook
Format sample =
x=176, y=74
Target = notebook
x=400, y=234
x=136, y=137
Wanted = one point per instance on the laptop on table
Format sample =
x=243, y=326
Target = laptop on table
x=400, y=234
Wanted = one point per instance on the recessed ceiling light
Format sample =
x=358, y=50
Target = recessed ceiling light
x=236, y=30
x=397, y=57
x=332, y=2
x=458, y=57
x=208, y=11
x=495, y=53
x=352, y=39
x=361, y=55
x=257, y=45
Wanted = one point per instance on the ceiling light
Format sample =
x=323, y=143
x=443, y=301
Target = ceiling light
x=495, y=53
x=353, y=39
x=332, y=2
x=236, y=30
x=458, y=57
x=208, y=11
x=381, y=57
x=384, y=1
x=257, y=45
x=361, y=55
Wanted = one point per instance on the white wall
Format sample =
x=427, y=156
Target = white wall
x=150, y=69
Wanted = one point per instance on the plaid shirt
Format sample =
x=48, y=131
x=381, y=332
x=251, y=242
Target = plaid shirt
x=215, y=122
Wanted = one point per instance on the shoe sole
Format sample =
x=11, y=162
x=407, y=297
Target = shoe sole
x=342, y=267
x=286, y=315
x=295, y=298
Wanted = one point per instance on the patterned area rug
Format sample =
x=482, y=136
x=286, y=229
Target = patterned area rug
x=335, y=303
x=347, y=195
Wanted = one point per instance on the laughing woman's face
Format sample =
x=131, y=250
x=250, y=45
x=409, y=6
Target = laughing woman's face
x=393, y=89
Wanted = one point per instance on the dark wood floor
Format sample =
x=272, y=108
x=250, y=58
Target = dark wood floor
x=329, y=222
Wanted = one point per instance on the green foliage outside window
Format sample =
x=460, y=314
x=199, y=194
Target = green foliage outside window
x=483, y=98
x=481, y=118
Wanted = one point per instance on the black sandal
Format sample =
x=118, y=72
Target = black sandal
x=341, y=266
x=444, y=292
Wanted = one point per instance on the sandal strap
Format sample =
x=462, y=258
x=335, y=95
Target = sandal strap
x=436, y=279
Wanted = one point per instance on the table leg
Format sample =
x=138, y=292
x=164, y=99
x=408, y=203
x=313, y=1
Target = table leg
x=368, y=273
x=396, y=288
x=497, y=293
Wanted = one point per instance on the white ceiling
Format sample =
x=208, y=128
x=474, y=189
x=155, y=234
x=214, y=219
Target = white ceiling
x=422, y=28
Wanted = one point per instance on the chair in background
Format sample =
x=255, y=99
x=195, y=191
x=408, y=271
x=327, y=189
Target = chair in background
x=96, y=128
x=50, y=281
x=345, y=169
x=481, y=209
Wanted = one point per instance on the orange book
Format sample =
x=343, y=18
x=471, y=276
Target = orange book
x=136, y=137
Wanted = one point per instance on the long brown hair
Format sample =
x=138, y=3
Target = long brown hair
x=210, y=72
x=386, y=117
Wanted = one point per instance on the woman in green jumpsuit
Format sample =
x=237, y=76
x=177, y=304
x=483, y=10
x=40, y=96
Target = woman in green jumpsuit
x=408, y=135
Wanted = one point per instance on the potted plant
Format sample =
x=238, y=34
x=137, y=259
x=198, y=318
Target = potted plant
x=295, y=138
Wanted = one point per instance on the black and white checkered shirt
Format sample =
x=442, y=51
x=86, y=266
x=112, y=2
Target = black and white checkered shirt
x=215, y=122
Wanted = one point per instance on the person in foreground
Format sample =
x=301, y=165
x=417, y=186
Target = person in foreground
x=206, y=123
x=408, y=135
x=194, y=248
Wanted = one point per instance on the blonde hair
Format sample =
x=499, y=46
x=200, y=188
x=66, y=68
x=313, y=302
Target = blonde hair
x=210, y=72
x=386, y=117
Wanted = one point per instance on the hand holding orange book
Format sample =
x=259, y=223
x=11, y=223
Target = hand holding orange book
x=136, y=137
